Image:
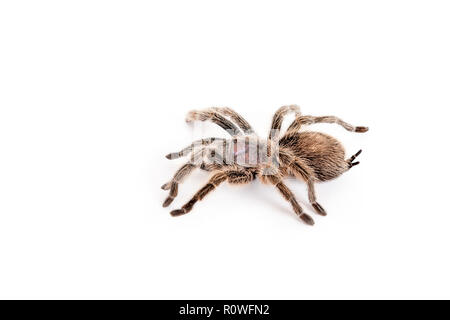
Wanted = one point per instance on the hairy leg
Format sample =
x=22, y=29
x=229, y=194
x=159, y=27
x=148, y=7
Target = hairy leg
x=193, y=146
x=172, y=185
x=197, y=160
x=233, y=176
x=289, y=196
x=302, y=171
x=237, y=118
x=278, y=117
x=210, y=166
x=215, y=117
x=308, y=120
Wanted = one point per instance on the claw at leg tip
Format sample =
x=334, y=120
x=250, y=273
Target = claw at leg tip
x=319, y=209
x=166, y=186
x=167, y=202
x=362, y=129
x=307, y=219
x=178, y=212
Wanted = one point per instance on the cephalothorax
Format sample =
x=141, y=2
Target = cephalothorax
x=310, y=156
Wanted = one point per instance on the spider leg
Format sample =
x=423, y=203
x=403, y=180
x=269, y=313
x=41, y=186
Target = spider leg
x=197, y=161
x=302, y=171
x=215, y=117
x=196, y=144
x=289, y=196
x=172, y=185
x=209, y=167
x=308, y=120
x=278, y=117
x=232, y=175
x=237, y=118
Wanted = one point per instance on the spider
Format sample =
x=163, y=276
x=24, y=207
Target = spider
x=309, y=156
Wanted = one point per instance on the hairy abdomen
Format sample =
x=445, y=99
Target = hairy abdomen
x=323, y=153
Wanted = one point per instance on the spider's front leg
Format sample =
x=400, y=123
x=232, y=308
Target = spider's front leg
x=234, y=176
x=196, y=145
x=196, y=161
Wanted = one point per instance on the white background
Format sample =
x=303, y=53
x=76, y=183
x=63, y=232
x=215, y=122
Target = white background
x=93, y=94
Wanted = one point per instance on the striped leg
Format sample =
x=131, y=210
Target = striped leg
x=215, y=117
x=215, y=180
x=237, y=118
x=302, y=171
x=278, y=117
x=289, y=196
x=308, y=120
x=172, y=185
x=233, y=176
x=197, y=161
x=196, y=144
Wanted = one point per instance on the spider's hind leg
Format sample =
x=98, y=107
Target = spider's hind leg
x=352, y=158
x=289, y=196
x=303, y=171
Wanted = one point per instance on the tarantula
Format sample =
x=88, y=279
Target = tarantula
x=310, y=156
